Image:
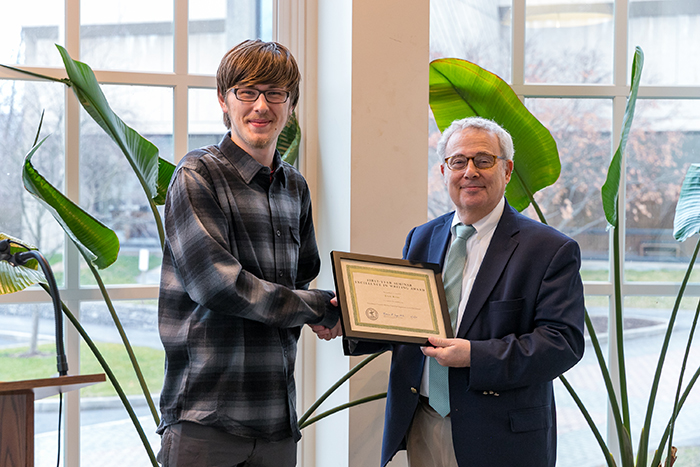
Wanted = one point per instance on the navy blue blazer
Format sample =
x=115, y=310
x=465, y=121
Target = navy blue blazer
x=524, y=319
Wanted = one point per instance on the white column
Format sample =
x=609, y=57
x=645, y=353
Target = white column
x=369, y=177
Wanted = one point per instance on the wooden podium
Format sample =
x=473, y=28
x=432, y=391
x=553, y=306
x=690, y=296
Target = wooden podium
x=17, y=413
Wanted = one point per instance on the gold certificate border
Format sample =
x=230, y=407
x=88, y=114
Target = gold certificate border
x=399, y=273
x=434, y=319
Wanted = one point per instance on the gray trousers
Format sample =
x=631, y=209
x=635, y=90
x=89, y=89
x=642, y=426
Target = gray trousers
x=188, y=444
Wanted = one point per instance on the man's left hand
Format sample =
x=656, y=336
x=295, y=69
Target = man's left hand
x=450, y=352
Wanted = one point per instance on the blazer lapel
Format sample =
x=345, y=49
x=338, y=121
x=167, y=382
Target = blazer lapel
x=492, y=267
x=439, y=241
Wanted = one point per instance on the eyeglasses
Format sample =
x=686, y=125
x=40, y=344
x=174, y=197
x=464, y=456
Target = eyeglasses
x=481, y=161
x=272, y=96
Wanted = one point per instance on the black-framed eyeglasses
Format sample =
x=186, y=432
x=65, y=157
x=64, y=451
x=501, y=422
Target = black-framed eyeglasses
x=272, y=96
x=481, y=161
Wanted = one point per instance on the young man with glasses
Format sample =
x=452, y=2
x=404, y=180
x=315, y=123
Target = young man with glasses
x=485, y=398
x=239, y=255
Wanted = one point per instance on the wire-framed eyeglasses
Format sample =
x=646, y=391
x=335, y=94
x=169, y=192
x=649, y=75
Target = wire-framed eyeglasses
x=272, y=96
x=481, y=161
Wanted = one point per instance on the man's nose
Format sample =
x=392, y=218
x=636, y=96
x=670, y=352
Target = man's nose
x=471, y=171
x=261, y=103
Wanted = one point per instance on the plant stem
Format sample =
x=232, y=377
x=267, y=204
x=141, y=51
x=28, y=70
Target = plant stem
x=644, y=441
x=112, y=379
x=601, y=442
x=624, y=442
x=159, y=222
x=341, y=407
x=127, y=343
x=619, y=330
x=337, y=384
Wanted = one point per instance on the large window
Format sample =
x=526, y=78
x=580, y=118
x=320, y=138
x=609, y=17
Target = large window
x=570, y=64
x=156, y=61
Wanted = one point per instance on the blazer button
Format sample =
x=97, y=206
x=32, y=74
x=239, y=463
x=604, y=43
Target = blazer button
x=414, y=390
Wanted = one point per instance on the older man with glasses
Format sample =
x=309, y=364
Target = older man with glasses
x=514, y=292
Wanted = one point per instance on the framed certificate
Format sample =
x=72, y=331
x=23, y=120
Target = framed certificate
x=390, y=300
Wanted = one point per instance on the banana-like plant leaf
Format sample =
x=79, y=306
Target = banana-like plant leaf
x=288, y=141
x=460, y=89
x=611, y=188
x=687, y=220
x=97, y=242
x=165, y=174
x=141, y=153
x=16, y=278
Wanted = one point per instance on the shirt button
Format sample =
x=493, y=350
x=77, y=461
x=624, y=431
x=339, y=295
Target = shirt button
x=281, y=273
x=414, y=390
x=279, y=234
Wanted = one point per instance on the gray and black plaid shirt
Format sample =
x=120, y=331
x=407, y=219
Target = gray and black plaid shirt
x=239, y=253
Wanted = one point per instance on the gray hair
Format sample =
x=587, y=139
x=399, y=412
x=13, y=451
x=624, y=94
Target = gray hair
x=505, y=142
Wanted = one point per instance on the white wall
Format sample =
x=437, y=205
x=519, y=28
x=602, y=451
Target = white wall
x=370, y=186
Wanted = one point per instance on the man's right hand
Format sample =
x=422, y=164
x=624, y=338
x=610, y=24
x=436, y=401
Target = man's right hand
x=327, y=333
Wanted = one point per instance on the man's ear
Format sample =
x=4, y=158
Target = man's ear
x=222, y=102
x=442, y=172
x=509, y=170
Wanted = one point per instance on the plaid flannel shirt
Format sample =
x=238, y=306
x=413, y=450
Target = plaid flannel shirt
x=239, y=254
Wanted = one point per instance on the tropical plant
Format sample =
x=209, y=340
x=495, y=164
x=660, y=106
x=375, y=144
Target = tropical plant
x=686, y=224
x=96, y=242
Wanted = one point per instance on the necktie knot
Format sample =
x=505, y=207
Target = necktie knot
x=463, y=232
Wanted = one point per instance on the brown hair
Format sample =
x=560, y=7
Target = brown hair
x=257, y=62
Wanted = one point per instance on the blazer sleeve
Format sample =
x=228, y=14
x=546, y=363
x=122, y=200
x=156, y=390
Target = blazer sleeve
x=553, y=344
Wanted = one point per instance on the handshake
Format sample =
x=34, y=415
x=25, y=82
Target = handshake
x=328, y=333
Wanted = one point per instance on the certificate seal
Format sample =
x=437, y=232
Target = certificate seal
x=372, y=314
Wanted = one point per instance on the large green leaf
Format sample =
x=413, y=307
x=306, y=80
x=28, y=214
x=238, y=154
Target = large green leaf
x=165, y=173
x=611, y=188
x=97, y=242
x=288, y=141
x=141, y=153
x=687, y=220
x=460, y=89
x=16, y=278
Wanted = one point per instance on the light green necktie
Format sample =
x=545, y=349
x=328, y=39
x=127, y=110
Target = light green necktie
x=439, y=396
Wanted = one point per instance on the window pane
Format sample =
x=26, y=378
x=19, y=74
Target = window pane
x=28, y=32
x=663, y=142
x=21, y=105
x=217, y=25
x=576, y=445
x=568, y=42
x=581, y=129
x=668, y=31
x=109, y=189
x=106, y=429
x=205, y=119
x=474, y=30
x=646, y=320
x=128, y=35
